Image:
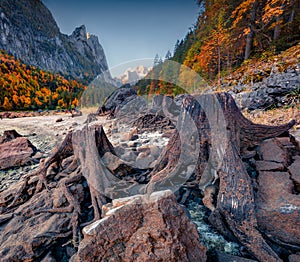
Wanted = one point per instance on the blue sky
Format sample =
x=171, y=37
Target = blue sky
x=128, y=29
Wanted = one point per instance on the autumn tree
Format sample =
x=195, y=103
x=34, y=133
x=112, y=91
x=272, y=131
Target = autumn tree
x=26, y=87
x=6, y=104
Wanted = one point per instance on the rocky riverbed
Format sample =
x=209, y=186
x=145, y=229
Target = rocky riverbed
x=127, y=159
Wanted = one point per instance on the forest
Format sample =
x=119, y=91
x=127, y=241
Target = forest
x=25, y=87
x=228, y=34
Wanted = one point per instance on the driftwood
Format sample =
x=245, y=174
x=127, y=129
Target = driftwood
x=206, y=150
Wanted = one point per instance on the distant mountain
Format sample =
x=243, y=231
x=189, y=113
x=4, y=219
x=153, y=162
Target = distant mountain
x=133, y=75
x=29, y=32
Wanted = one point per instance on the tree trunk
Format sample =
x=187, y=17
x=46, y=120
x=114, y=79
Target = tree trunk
x=211, y=137
x=277, y=28
x=250, y=36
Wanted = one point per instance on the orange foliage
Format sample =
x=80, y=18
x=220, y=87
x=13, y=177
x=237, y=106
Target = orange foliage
x=26, y=87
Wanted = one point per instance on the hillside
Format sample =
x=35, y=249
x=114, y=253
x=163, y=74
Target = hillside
x=29, y=32
x=232, y=42
x=27, y=87
x=228, y=33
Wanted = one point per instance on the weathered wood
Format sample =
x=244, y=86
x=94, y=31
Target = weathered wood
x=64, y=150
x=90, y=144
x=221, y=134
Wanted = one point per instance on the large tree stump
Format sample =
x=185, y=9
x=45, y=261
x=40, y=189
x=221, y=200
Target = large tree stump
x=211, y=137
x=70, y=181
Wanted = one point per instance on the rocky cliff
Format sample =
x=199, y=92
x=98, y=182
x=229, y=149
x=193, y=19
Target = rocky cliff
x=29, y=32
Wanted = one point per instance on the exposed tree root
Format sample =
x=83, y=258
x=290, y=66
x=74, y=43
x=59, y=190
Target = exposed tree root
x=210, y=139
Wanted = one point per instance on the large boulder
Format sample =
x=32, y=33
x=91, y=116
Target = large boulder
x=15, y=150
x=142, y=228
x=294, y=170
x=278, y=207
x=117, y=99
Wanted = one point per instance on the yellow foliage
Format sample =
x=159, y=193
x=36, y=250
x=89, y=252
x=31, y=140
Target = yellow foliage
x=6, y=104
x=27, y=86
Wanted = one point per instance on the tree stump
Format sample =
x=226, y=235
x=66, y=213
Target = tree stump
x=211, y=137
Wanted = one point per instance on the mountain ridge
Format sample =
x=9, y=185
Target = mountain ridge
x=30, y=33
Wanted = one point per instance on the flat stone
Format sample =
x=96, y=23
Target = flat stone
x=278, y=208
x=133, y=144
x=143, y=148
x=49, y=258
x=268, y=166
x=144, y=160
x=271, y=151
x=285, y=142
x=295, y=172
x=142, y=228
x=296, y=137
x=294, y=258
x=223, y=257
x=16, y=152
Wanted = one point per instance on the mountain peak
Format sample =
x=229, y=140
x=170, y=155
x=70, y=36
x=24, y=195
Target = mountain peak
x=80, y=33
x=31, y=34
x=133, y=75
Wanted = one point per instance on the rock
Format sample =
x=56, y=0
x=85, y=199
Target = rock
x=270, y=91
x=223, y=257
x=119, y=150
x=132, y=135
x=144, y=160
x=294, y=258
x=278, y=208
x=9, y=135
x=49, y=258
x=134, y=144
x=155, y=151
x=131, y=109
x=268, y=166
x=285, y=142
x=58, y=120
x=271, y=151
x=117, y=100
x=129, y=156
x=16, y=152
x=144, y=148
x=164, y=105
x=28, y=242
x=159, y=230
x=296, y=137
x=295, y=172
